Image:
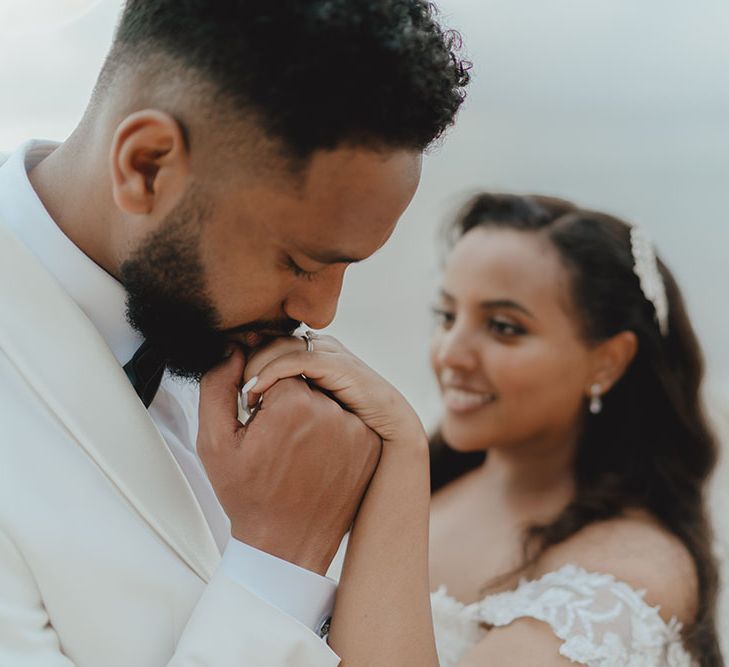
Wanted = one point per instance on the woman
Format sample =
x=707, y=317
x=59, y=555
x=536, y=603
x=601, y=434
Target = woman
x=565, y=353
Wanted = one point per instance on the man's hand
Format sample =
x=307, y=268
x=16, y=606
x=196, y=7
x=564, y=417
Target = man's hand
x=292, y=480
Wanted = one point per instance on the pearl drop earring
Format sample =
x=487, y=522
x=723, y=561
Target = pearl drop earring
x=596, y=400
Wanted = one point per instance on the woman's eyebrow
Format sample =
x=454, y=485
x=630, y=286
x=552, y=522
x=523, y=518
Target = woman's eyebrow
x=445, y=295
x=505, y=303
x=492, y=303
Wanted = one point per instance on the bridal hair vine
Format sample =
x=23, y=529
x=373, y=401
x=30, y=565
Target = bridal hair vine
x=645, y=266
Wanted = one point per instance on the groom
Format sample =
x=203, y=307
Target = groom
x=234, y=160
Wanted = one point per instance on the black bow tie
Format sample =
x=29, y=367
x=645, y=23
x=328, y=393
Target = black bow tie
x=145, y=370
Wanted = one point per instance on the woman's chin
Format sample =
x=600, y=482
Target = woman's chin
x=463, y=440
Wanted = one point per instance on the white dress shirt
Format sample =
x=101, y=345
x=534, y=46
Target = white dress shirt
x=304, y=595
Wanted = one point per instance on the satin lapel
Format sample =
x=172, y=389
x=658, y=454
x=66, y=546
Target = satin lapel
x=70, y=367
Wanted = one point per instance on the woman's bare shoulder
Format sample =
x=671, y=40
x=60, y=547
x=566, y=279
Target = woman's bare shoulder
x=638, y=551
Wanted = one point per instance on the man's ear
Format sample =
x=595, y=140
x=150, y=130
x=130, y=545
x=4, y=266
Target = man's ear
x=611, y=359
x=150, y=164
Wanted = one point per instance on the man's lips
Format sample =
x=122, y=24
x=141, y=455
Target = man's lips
x=255, y=339
x=252, y=339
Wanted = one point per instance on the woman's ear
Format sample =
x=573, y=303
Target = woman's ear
x=611, y=359
x=150, y=163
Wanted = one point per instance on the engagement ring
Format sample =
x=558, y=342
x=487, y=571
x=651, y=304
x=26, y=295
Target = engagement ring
x=310, y=337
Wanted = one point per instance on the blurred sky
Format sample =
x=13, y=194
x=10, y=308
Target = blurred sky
x=617, y=104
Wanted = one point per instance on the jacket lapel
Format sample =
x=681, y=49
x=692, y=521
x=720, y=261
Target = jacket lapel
x=68, y=364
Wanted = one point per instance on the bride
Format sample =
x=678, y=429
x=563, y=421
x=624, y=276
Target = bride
x=568, y=522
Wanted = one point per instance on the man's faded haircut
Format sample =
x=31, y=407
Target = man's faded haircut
x=312, y=74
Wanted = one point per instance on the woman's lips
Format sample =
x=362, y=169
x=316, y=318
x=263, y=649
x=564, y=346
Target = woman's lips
x=464, y=400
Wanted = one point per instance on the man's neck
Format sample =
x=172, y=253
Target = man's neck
x=70, y=183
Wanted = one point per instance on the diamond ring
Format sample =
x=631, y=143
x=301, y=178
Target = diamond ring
x=309, y=338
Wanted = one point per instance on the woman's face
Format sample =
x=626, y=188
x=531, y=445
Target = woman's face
x=507, y=353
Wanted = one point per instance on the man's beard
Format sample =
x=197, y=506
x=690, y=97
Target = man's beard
x=167, y=298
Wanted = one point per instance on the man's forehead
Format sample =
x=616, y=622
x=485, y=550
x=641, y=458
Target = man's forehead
x=359, y=180
x=341, y=219
x=339, y=241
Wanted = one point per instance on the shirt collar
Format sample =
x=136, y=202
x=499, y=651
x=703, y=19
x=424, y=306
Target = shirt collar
x=99, y=295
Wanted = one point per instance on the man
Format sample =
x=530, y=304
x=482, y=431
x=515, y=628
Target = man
x=234, y=159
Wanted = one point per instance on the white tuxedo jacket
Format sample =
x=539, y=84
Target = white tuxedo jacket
x=106, y=559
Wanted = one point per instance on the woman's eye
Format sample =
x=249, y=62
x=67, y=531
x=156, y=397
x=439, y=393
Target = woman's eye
x=298, y=271
x=443, y=317
x=505, y=328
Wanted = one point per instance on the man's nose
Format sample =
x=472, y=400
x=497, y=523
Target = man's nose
x=315, y=302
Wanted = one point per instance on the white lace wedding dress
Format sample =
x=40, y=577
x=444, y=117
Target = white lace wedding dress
x=601, y=622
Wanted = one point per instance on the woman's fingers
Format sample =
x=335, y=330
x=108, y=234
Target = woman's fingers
x=287, y=345
x=328, y=371
x=352, y=384
x=346, y=378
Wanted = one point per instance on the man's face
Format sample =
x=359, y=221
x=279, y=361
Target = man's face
x=254, y=257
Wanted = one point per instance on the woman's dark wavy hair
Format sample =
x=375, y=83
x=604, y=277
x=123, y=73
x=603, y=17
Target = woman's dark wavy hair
x=651, y=447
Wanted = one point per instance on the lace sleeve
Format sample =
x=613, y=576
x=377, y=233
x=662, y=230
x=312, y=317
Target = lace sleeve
x=602, y=622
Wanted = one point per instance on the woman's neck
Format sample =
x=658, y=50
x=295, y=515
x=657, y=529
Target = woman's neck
x=534, y=476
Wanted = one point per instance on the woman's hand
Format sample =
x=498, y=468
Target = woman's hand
x=383, y=593
x=335, y=370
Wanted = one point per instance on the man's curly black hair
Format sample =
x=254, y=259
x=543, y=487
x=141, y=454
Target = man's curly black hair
x=314, y=74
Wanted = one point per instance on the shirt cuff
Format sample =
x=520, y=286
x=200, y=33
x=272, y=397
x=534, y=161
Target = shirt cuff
x=300, y=593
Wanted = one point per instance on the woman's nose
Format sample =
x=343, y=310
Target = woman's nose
x=456, y=348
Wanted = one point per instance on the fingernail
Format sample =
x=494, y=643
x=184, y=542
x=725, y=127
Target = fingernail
x=228, y=351
x=250, y=384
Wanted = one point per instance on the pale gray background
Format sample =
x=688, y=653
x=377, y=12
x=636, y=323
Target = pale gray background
x=620, y=105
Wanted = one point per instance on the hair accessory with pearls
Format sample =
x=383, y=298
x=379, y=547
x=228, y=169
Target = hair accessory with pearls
x=645, y=266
